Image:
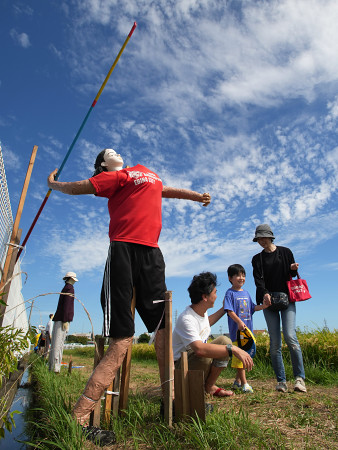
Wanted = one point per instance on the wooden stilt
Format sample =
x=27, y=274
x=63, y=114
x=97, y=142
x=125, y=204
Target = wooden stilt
x=107, y=404
x=125, y=376
x=169, y=361
x=111, y=402
x=95, y=415
x=116, y=388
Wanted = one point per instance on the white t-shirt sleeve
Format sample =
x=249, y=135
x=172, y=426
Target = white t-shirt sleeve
x=189, y=328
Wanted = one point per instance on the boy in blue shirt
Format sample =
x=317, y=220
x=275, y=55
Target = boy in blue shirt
x=240, y=308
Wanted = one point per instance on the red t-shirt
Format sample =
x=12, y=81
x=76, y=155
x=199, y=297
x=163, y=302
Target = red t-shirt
x=134, y=204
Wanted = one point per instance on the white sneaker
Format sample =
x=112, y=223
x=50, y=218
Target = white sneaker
x=282, y=386
x=300, y=385
x=247, y=389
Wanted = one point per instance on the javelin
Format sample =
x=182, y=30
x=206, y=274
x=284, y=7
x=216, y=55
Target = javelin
x=76, y=137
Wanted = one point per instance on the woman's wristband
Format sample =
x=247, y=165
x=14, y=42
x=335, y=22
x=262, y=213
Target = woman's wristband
x=229, y=348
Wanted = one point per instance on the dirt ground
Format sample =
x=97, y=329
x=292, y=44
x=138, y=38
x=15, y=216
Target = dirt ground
x=306, y=420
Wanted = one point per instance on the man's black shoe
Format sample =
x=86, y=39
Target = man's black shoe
x=98, y=436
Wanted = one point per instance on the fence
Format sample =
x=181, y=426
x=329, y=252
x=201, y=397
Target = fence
x=6, y=218
x=15, y=315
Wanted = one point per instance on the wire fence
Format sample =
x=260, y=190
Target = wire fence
x=6, y=217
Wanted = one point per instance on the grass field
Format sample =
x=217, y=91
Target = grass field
x=264, y=420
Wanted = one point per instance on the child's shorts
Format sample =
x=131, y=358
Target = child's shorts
x=235, y=362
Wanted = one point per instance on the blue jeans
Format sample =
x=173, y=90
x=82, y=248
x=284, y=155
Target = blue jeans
x=289, y=331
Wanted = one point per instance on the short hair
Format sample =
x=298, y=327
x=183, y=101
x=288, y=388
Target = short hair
x=97, y=166
x=204, y=283
x=51, y=315
x=235, y=269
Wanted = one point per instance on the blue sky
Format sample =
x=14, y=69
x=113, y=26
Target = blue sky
x=236, y=98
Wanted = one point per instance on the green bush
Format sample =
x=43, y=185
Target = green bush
x=76, y=339
x=144, y=338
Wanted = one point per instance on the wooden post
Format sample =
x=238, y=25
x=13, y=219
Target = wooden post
x=125, y=377
x=15, y=238
x=185, y=384
x=196, y=394
x=18, y=216
x=189, y=392
x=95, y=415
x=70, y=365
x=169, y=361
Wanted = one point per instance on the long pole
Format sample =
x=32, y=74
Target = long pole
x=18, y=217
x=76, y=137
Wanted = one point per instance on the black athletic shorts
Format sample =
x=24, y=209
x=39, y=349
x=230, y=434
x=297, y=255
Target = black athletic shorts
x=132, y=265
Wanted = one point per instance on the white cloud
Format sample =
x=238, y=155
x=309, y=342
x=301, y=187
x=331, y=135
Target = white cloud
x=197, y=56
x=11, y=159
x=20, y=38
x=202, y=85
x=23, y=10
x=58, y=53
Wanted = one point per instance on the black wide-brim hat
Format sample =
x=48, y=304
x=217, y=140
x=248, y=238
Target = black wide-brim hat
x=263, y=230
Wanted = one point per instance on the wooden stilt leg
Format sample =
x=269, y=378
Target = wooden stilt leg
x=169, y=362
x=111, y=401
x=116, y=388
x=95, y=415
x=125, y=376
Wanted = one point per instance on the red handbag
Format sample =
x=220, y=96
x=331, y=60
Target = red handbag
x=298, y=290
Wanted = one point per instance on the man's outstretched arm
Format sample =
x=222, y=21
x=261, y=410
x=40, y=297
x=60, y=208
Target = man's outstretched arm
x=72, y=187
x=186, y=194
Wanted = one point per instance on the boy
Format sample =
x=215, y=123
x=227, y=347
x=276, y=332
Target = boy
x=240, y=307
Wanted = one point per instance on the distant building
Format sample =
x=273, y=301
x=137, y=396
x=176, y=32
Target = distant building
x=216, y=335
x=87, y=335
x=260, y=332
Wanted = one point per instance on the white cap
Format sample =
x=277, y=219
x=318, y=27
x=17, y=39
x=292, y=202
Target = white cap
x=70, y=275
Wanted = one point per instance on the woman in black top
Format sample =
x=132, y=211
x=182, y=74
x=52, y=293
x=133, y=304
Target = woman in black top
x=271, y=270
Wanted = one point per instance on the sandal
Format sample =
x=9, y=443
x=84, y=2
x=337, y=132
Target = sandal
x=220, y=392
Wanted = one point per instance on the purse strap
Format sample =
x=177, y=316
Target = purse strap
x=298, y=276
x=261, y=258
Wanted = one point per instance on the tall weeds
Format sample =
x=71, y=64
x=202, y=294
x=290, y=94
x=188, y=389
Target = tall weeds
x=49, y=423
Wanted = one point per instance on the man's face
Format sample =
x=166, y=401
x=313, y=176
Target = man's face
x=211, y=298
x=112, y=160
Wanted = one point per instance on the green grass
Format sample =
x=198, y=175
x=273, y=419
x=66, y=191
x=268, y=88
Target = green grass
x=48, y=422
x=263, y=420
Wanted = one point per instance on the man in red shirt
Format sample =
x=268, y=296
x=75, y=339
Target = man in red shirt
x=134, y=261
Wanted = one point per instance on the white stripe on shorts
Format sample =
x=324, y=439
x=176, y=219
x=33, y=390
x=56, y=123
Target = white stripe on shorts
x=106, y=288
